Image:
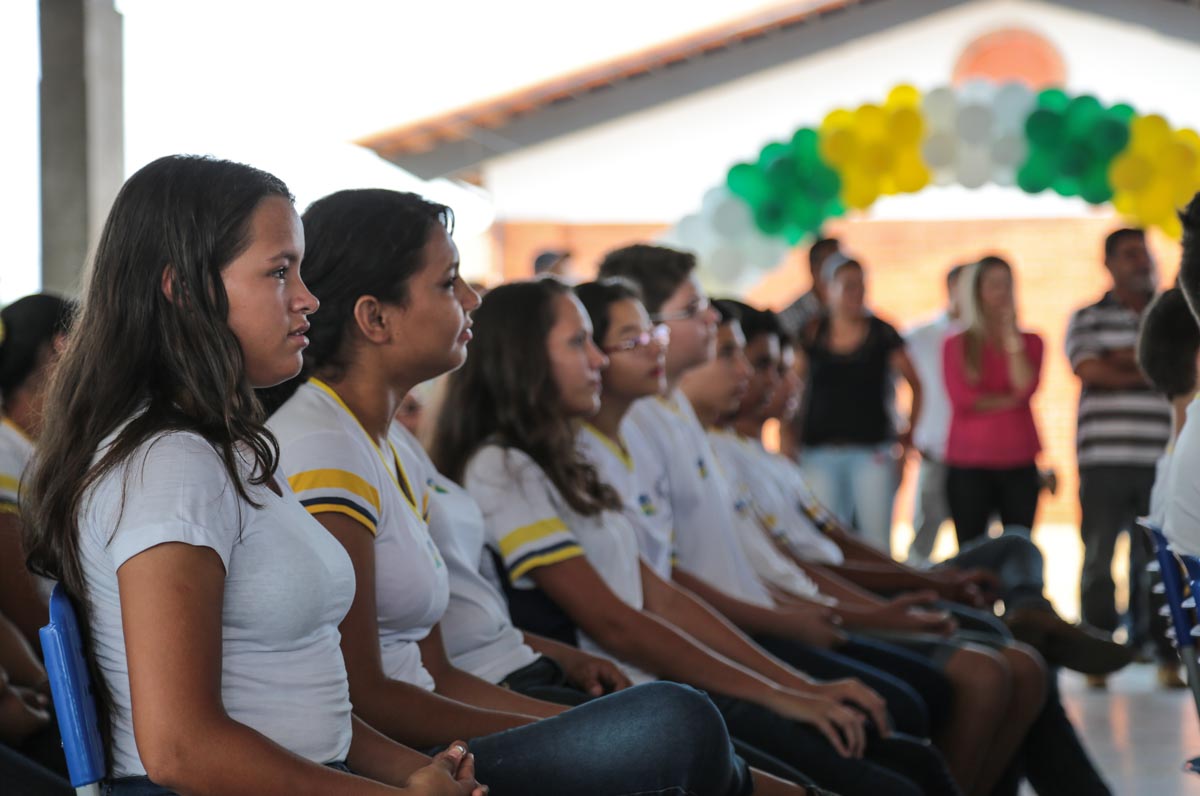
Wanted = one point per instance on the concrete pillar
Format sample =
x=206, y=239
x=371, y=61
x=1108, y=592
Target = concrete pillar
x=82, y=132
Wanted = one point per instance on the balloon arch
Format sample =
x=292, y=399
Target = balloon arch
x=969, y=135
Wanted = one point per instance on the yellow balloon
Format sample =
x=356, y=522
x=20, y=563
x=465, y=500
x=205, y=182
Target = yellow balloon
x=871, y=121
x=1176, y=159
x=859, y=190
x=1149, y=133
x=876, y=158
x=1156, y=203
x=835, y=119
x=903, y=96
x=1172, y=227
x=839, y=146
x=1130, y=172
x=1125, y=203
x=905, y=126
x=910, y=172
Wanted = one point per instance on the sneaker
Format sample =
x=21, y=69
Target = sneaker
x=1168, y=677
x=1075, y=647
x=1097, y=682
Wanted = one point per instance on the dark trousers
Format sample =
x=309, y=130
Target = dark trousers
x=976, y=494
x=1112, y=498
x=28, y=778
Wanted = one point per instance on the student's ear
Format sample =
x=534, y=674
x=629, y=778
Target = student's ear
x=168, y=282
x=371, y=319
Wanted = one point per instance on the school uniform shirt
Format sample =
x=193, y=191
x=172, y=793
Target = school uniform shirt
x=16, y=451
x=288, y=585
x=783, y=503
x=1160, y=491
x=477, y=629
x=334, y=465
x=701, y=502
x=619, y=465
x=758, y=521
x=1182, y=518
x=530, y=525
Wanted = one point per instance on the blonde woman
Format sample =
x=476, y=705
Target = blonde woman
x=992, y=370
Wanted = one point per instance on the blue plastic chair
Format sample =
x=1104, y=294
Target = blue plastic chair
x=1180, y=607
x=71, y=687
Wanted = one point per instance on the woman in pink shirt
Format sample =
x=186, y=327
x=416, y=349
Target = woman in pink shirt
x=992, y=370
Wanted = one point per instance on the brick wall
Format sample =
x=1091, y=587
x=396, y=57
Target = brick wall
x=1057, y=263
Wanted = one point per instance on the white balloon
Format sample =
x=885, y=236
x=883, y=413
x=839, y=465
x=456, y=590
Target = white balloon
x=731, y=218
x=1009, y=150
x=976, y=91
x=975, y=123
x=1003, y=174
x=725, y=262
x=940, y=108
x=939, y=150
x=945, y=176
x=764, y=253
x=695, y=234
x=974, y=166
x=1012, y=105
x=713, y=198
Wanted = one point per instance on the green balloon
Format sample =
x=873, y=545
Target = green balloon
x=1109, y=136
x=783, y=175
x=770, y=217
x=1067, y=186
x=749, y=183
x=834, y=208
x=1122, y=111
x=1073, y=160
x=1094, y=187
x=803, y=212
x=1053, y=99
x=1037, y=173
x=1044, y=128
x=773, y=153
x=794, y=234
x=824, y=184
x=806, y=143
x=1082, y=114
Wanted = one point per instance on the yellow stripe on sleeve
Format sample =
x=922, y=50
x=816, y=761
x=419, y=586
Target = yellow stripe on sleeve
x=533, y=562
x=10, y=483
x=530, y=533
x=349, y=511
x=333, y=479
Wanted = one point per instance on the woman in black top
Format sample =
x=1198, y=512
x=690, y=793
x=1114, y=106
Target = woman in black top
x=852, y=447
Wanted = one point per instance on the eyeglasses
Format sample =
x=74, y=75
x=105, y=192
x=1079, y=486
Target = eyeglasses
x=660, y=335
x=697, y=307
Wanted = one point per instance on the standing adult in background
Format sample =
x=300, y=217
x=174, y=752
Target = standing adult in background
x=992, y=370
x=1122, y=430
x=925, y=342
x=801, y=312
x=797, y=318
x=852, y=446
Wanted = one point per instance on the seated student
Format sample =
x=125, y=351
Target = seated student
x=213, y=599
x=395, y=312
x=1182, y=516
x=1054, y=758
x=571, y=560
x=1168, y=347
x=32, y=332
x=637, y=357
x=1011, y=566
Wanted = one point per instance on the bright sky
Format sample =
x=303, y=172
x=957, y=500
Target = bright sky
x=285, y=85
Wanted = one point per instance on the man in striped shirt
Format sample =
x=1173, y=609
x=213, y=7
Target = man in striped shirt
x=1123, y=427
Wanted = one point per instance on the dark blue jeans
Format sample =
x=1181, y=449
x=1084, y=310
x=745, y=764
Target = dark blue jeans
x=659, y=738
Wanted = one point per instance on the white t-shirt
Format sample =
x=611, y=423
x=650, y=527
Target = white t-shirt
x=531, y=525
x=757, y=514
x=333, y=465
x=1182, y=516
x=925, y=343
x=288, y=585
x=477, y=630
x=1159, y=492
x=701, y=503
x=800, y=515
x=619, y=467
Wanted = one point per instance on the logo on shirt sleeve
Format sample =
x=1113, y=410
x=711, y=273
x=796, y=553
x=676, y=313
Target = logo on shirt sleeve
x=647, y=505
x=702, y=467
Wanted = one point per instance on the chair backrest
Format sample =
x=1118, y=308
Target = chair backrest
x=1172, y=579
x=71, y=687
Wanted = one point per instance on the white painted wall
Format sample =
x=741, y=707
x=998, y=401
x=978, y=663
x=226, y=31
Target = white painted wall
x=655, y=165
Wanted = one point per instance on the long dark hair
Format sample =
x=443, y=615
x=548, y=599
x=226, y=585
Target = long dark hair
x=972, y=305
x=506, y=393
x=28, y=325
x=357, y=243
x=170, y=364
